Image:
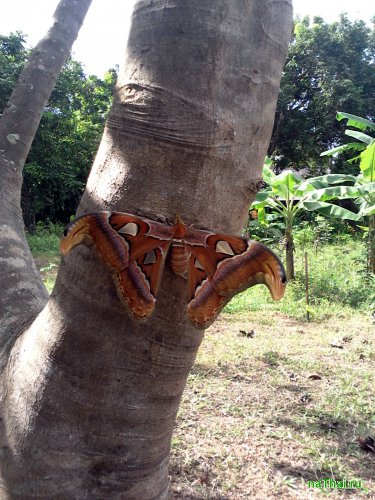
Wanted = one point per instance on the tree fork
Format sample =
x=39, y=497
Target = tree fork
x=89, y=410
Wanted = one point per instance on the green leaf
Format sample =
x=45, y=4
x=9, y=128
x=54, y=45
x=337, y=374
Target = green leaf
x=367, y=164
x=323, y=181
x=330, y=210
x=262, y=215
x=366, y=189
x=268, y=162
x=269, y=202
x=286, y=184
x=369, y=211
x=262, y=196
x=268, y=174
x=342, y=192
x=356, y=121
x=355, y=146
x=367, y=139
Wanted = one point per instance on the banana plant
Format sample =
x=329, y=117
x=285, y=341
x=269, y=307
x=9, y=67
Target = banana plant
x=288, y=193
x=363, y=190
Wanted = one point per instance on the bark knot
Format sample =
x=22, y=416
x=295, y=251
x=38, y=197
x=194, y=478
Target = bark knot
x=13, y=138
x=256, y=185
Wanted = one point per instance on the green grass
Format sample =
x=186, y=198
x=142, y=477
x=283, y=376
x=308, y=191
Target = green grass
x=45, y=240
x=45, y=247
x=337, y=284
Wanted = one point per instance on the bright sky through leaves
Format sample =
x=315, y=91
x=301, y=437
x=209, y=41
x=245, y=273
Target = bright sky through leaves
x=102, y=39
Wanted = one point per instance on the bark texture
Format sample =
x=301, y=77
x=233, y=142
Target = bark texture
x=92, y=396
x=23, y=294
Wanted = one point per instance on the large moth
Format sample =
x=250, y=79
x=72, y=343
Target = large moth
x=216, y=266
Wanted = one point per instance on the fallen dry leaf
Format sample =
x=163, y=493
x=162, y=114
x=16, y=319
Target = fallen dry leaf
x=248, y=335
x=305, y=398
x=314, y=376
x=337, y=345
x=367, y=444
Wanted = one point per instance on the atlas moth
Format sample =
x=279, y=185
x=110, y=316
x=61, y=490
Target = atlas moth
x=216, y=266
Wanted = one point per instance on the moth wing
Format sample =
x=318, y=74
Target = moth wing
x=210, y=248
x=204, y=302
x=221, y=266
x=148, y=243
x=257, y=265
x=95, y=229
x=133, y=293
x=141, y=235
x=134, y=249
x=151, y=266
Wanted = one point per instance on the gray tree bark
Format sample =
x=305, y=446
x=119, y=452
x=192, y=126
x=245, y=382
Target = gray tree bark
x=25, y=294
x=89, y=396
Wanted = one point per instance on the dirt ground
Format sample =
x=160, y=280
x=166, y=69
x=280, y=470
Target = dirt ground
x=272, y=403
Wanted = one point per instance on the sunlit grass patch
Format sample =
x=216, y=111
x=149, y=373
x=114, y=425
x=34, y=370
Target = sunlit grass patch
x=337, y=284
x=45, y=240
x=45, y=247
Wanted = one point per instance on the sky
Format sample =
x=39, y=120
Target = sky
x=103, y=36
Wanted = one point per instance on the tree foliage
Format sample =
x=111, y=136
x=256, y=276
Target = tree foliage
x=330, y=66
x=287, y=194
x=63, y=149
x=364, y=184
x=12, y=58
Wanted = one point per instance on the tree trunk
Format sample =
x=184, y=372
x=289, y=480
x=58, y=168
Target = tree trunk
x=25, y=294
x=371, y=243
x=89, y=410
x=277, y=127
x=289, y=253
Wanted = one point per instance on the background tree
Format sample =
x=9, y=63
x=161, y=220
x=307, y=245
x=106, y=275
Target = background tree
x=363, y=190
x=13, y=56
x=330, y=66
x=63, y=149
x=65, y=144
x=90, y=409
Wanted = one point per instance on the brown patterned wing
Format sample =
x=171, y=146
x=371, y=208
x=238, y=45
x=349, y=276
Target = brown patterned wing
x=138, y=284
x=211, y=248
x=204, y=302
x=222, y=266
x=134, y=250
x=257, y=265
x=94, y=229
x=141, y=235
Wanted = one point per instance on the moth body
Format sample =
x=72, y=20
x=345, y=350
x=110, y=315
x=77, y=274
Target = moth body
x=179, y=258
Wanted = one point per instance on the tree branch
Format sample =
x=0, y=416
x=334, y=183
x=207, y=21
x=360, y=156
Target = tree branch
x=23, y=293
